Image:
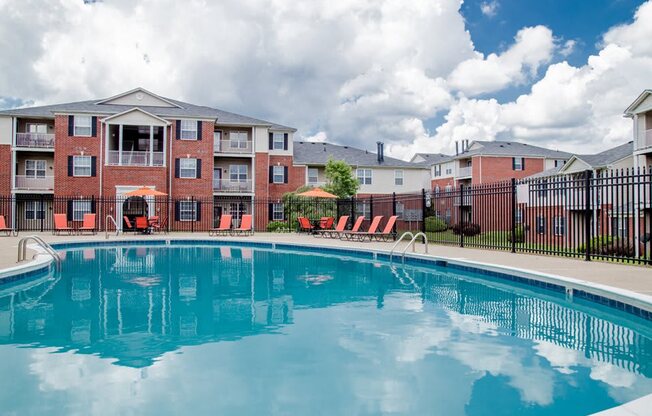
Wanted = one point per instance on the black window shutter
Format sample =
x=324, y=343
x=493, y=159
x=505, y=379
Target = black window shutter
x=285, y=174
x=198, y=211
x=93, y=206
x=271, y=211
x=285, y=141
x=176, y=167
x=271, y=140
x=93, y=165
x=94, y=126
x=71, y=125
x=513, y=163
x=199, y=130
x=69, y=210
x=176, y=210
x=198, y=174
x=70, y=166
x=178, y=135
x=522, y=163
x=271, y=174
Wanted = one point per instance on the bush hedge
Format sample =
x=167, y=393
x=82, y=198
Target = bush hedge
x=607, y=245
x=274, y=226
x=435, y=225
x=468, y=229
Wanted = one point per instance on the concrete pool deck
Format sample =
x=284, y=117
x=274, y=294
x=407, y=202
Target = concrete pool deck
x=622, y=276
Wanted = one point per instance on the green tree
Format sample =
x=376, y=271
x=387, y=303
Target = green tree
x=341, y=180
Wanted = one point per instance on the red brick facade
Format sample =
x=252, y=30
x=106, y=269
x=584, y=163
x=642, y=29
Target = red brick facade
x=295, y=179
x=5, y=169
x=487, y=169
x=200, y=149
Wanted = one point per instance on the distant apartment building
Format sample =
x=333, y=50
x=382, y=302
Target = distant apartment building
x=640, y=111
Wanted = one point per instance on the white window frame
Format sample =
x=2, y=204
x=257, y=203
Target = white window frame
x=236, y=173
x=237, y=210
x=238, y=139
x=311, y=178
x=400, y=209
x=79, y=162
x=278, y=211
x=275, y=174
x=39, y=126
x=363, y=209
x=518, y=163
x=559, y=224
x=365, y=176
x=449, y=171
x=448, y=189
x=187, y=169
x=187, y=207
x=437, y=170
x=278, y=140
x=32, y=207
x=188, y=130
x=399, y=177
x=80, y=123
x=35, y=169
x=79, y=208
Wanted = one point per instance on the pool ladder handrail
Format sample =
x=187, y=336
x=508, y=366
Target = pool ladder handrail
x=106, y=226
x=22, y=248
x=411, y=243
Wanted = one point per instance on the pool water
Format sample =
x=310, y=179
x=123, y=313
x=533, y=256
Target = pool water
x=226, y=330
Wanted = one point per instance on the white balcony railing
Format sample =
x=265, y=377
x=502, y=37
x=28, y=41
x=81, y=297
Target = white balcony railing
x=134, y=158
x=466, y=201
x=227, y=185
x=464, y=172
x=232, y=146
x=35, y=140
x=647, y=140
x=34, y=183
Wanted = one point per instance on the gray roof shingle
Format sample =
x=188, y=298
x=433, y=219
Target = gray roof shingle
x=433, y=158
x=506, y=148
x=609, y=156
x=318, y=153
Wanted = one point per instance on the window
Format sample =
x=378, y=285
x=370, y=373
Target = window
x=37, y=128
x=187, y=211
x=448, y=188
x=398, y=177
x=35, y=168
x=83, y=126
x=447, y=216
x=559, y=224
x=437, y=190
x=449, y=171
x=278, y=212
x=518, y=163
x=559, y=163
x=619, y=227
x=541, y=225
x=400, y=209
x=188, y=130
x=437, y=170
x=542, y=189
x=81, y=165
x=79, y=208
x=364, y=176
x=278, y=174
x=237, y=210
x=238, y=139
x=188, y=168
x=238, y=173
x=313, y=175
x=363, y=209
x=34, y=210
x=278, y=141
x=519, y=216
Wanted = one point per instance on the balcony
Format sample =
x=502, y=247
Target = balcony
x=134, y=158
x=229, y=186
x=238, y=147
x=647, y=140
x=465, y=172
x=34, y=183
x=35, y=140
x=465, y=201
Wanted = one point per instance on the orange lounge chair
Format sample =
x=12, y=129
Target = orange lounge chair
x=341, y=225
x=245, y=227
x=130, y=226
x=388, y=232
x=89, y=224
x=304, y=225
x=225, y=226
x=361, y=235
x=4, y=229
x=354, y=229
x=61, y=224
x=142, y=225
x=326, y=223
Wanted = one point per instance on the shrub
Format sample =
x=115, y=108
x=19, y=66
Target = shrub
x=274, y=226
x=607, y=245
x=435, y=224
x=468, y=229
x=519, y=234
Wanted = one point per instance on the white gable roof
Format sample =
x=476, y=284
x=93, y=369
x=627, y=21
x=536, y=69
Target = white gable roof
x=139, y=97
x=136, y=117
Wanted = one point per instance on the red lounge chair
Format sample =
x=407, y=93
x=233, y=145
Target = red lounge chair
x=355, y=229
x=361, y=235
x=142, y=224
x=388, y=232
x=156, y=225
x=89, y=224
x=304, y=225
x=4, y=229
x=326, y=223
x=130, y=226
x=245, y=226
x=341, y=225
x=225, y=226
x=61, y=224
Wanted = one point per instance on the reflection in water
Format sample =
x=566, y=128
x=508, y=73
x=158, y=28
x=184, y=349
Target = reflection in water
x=356, y=319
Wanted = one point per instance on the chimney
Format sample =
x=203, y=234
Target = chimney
x=457, y=148
x=381, y=152
x=467, y=144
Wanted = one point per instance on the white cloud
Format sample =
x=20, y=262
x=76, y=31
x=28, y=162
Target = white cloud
x=489, y=8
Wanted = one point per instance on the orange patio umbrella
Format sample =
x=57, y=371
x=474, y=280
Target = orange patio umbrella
x=317, y=193
x=145, y=191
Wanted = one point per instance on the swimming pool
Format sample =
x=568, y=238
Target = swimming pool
x=219, y=329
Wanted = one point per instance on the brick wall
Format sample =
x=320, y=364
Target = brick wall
x=200, y=149
x=296, y=177
x=493, y=169
x=261, y=184
x=65, y=146
x=442, y=183
x=5, y=169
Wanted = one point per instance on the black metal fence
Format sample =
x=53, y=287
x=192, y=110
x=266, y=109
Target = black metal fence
x=605, y=216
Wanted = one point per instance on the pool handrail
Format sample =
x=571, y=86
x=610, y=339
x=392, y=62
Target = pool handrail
x=22, y=248
x=106, y=226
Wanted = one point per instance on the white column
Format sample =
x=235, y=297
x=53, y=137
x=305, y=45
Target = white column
x=151, y=145
x=120, y=146
x=165, y=144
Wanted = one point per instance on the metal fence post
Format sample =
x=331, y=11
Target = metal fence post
x=461, y=217
x=352, y=201
x=423, y=213
x=194, y=214
x=587, y=214
x=513, y=225
x=371, y=207
x=41, y=208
